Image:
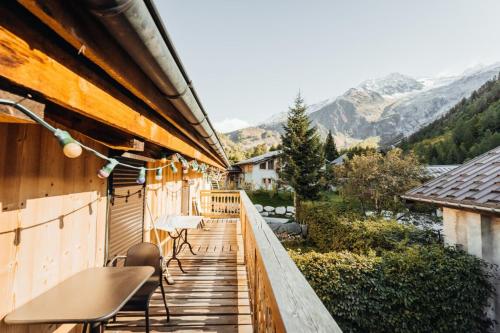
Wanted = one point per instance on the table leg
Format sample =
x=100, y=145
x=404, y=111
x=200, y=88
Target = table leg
x=185, y=242
x=175, y=251
x=95, y=328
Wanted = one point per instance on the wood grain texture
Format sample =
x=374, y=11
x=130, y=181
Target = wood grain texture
x=282, y=299
x=59, y=207
x=9, y=114
x=163, y=197
x=74, y=24
x=220, y=203
x=27, y=60
x=217, y=301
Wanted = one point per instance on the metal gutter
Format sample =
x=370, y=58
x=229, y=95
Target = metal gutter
x=136, y=26
x=166, y=37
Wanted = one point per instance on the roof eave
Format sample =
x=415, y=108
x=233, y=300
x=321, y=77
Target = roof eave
x=452, y=204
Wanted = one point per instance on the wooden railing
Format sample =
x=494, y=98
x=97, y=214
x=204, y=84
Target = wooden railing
x=281, y=298
x=220, y=203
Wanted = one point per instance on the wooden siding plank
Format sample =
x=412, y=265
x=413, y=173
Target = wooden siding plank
x=59, y=234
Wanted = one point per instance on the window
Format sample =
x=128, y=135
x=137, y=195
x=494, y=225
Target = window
x=267, y=183
x=270, y=164
x=263, y=165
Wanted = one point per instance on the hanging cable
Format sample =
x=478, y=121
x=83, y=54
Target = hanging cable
x=72, y=148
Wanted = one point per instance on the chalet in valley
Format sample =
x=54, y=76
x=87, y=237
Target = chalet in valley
x=259, y=172
x=470, y=197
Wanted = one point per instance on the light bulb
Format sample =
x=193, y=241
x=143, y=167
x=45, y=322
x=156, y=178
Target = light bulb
x=71, y=148
x=163, y=158
x=107, y=169
x=185, y=164
x=141, y=179
x=159, y=174
x=172, y=165
x=194, y=165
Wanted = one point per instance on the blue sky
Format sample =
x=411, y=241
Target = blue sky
x=248, y=59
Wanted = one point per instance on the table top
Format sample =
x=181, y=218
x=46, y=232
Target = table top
x=172, y=222
x=92, y=295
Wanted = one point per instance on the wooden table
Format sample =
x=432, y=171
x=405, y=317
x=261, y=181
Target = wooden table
x=172, y=223
x=92, y=297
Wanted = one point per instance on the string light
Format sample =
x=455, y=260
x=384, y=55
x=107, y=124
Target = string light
x=108, y=168
x=70, y=146
x=141, y=179
x=194, y=165
x=185, y=164
x=73, y=148
x=172, y=165
x=159, y=174
x=163, y=158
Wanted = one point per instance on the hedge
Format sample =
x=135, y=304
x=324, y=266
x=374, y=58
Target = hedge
x=375, y=275
x=331, y=228
x=419, y=289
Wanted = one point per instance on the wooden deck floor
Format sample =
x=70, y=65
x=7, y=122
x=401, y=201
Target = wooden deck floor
x=211, y=297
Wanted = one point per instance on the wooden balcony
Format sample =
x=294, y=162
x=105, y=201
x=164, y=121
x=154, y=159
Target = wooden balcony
x=240, y=280
x=212, y=296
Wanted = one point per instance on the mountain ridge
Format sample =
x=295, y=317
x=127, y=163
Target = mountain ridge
x=377, y=109
x=468, y=129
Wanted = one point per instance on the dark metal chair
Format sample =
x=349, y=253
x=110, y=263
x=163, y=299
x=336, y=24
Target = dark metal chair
x=144, y=254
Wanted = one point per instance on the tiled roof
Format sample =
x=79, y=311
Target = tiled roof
x=434, y=171
x=260, y=158
x=475, y=185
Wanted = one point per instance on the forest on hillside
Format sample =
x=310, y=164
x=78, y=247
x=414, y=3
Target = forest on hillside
x=469, y=129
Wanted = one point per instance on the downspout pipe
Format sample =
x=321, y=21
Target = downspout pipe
x=132, y=24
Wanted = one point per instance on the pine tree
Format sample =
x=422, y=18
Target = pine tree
x=331, y=151
x=302, y=153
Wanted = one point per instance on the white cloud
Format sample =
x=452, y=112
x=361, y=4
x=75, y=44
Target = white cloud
x=229, y=125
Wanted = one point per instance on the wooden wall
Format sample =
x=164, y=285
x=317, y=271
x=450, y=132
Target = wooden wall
x=165, y=197
x=197, y=183
x=59, y=206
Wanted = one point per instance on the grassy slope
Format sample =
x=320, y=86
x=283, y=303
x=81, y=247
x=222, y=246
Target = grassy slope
x=268, y=198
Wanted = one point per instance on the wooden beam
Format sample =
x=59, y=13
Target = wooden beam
x=9, y=114
x=104, y=134
x=126, y=145
x=73, y=23
x=24, y=62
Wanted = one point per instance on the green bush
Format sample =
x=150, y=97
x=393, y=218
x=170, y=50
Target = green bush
x=334, y=228
x=418, y=289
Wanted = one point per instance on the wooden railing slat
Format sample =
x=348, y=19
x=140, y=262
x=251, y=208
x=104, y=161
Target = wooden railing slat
x=292, y=305
x=281, y=298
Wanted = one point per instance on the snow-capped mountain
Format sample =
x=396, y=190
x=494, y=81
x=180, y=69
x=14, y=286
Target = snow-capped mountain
x=388, y=107
x=392, y=84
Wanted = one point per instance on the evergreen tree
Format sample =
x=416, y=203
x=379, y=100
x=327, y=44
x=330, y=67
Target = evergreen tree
x=302, y=153
x=331, y=151
x=468, y=129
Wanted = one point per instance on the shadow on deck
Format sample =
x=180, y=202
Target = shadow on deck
x=211, y=297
